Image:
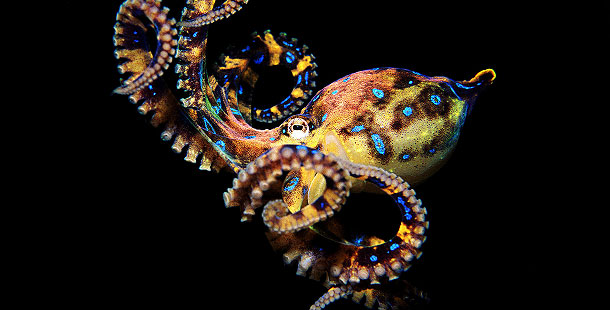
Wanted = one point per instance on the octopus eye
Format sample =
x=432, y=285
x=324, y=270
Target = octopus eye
x=297, y=128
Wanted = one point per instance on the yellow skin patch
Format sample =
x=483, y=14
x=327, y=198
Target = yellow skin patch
x=395, y=119
x=385, y=118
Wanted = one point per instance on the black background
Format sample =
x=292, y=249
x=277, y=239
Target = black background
x=139, y=227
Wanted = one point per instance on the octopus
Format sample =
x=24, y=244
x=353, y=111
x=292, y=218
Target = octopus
x=376, y=130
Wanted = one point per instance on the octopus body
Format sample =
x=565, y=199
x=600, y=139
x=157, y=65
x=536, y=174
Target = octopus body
x=373, y=130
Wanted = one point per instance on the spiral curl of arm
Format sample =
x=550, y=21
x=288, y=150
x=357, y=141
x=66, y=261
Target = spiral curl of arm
x=261, y=174
x=165, y=41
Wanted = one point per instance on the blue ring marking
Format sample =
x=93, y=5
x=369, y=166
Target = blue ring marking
x=292, y=184
x=464, y=86
x=394, y=246
x=378, y=93
x=403, y=203
x=406, y=156
x=208, y=126
x=259, y=59
x=435, y=99
x=221, y=144
x=358, y=128
x=289, y=57
x=378, y=143
x=373, y=258
x=407, y=111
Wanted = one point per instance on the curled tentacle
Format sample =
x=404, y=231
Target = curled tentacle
x=262, y=174
x=130, y=40
x=227, y=9
x=153, y=96
x=239, y=73
x=358, y=265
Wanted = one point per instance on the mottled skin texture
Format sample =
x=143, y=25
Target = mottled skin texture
x=378, y=128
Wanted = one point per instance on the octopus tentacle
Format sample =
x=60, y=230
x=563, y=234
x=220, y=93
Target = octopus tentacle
x=262, y=174
x=130, y=36
x=154, y=96
x=392, y=257
x=330, y=296
x=238, y=73
x=357, y=265
x=227, y=9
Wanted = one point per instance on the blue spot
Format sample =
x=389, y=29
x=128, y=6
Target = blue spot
x=241, y=90
x=377, y=182
x=378, y=143
x=289, y=57
x=324, y=117
x=316, y=97
x=402, y=202
x=373, y=258
x=432, y=151
x=292, y=184
x=334, y=92
x=259, y=59
x=307, y=77
x=246, y=49
x=394, y=246
x=249, y=137
x=464, y=87
x=208, y=126
x=216, y=109
x=221, y=144
x=358, y=241
x=235, y=111
x=299, y=79
x=435, y=99
x=411, y=82
x=407, y=111
x=271, y=139
x=358, y=128
x=301, y=147
x=150, y=87
x=406, y=156
x=378, y=93
x=346, y=79
x=195, y=34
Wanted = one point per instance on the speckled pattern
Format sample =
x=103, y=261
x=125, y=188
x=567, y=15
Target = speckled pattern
x=369, y=130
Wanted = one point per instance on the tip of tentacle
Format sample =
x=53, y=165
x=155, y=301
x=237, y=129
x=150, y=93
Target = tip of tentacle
x=228, y=8
x=487, y=76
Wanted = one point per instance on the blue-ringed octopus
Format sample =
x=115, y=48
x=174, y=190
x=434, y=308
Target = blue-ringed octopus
x=373, y=130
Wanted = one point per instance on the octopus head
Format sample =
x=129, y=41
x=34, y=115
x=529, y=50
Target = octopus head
x=396, y=119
